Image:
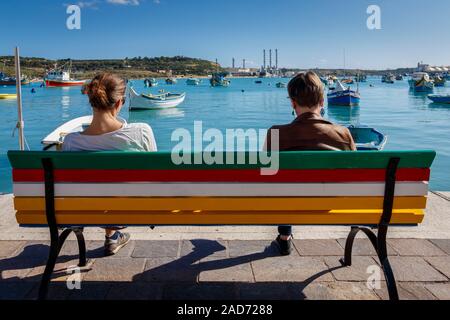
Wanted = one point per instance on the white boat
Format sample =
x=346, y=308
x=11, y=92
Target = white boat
x=56, y=137
x=421, y=81
x=193, y=82
x=154, y=102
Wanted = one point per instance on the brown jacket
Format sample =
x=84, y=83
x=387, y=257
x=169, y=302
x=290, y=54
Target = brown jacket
x=310, y=132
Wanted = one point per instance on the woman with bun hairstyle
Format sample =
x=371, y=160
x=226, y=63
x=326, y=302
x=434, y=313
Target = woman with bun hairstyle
x=106, y=94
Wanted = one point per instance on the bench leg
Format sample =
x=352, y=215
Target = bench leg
x=379, y=243
x=56, y=245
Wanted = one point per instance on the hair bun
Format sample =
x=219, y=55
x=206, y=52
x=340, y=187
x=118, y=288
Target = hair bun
x=105, y=90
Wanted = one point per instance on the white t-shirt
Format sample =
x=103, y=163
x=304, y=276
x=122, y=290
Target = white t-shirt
x=131, y=137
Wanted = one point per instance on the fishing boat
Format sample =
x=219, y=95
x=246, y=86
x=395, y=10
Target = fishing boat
x=150, y=82
x=281, y=85
x=60, y=77
x=219, y=80
x=258, y=81
x=56, y=137
x=347, y=81
x=171, y=81
x=439, y=81
x=436, y=98
x=367, y=138
x=154, y=102
x=420, y=81
x=361, y=78
x=341, y=96
x=399, y=77
x=388, y=78
x=10, y=81
x=193, y=82
x=4, y=96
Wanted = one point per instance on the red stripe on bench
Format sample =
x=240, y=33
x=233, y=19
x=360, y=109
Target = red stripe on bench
x=288, y=176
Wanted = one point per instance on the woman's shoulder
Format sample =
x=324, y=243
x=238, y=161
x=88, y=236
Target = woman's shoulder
x=140, y=126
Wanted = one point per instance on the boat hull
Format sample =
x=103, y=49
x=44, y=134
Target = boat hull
x=421, y=86
x=62, y=83
x=344, y=99
x=440, y=99
x=139, y=102
x=4, y=96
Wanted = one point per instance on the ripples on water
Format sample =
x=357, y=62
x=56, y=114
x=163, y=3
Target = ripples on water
x=409, y=119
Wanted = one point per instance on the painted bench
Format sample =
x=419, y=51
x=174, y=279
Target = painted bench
x=69, y=191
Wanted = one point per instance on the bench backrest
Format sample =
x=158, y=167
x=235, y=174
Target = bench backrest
x=129, y=188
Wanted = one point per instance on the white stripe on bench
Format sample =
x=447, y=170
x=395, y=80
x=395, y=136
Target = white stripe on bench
x=219, y=190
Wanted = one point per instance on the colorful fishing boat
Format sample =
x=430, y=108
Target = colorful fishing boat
x=193, y=82
x=439, y=81
x=347, y=81
x=367, y=138
x=10, y=81
x=171, y=81
x=163, y=100
x=341, y=96
x=150, y=82
x=4, y=96
x=219, y=80
x=420, y=81
x=388, y=78
x=436, y=98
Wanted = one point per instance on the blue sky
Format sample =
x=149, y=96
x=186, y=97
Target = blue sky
x=308, y=33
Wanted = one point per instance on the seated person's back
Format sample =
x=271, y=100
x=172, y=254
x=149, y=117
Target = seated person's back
x=107, y=132
x=308, y=132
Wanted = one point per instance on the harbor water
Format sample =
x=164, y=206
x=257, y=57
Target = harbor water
x=410, y=119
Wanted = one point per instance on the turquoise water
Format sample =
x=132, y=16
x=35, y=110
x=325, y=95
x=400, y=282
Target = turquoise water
x=409, y=119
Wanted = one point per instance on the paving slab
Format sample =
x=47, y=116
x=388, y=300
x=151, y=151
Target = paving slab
x=443, y=244
x=223, y=270
x=363, y=247
x=407, y=291
x=291, y=269
x=170, y=270
x=442, y=264
x=339, y=291
x=415, y=247
x=358, y=271
x=319, y=247
x=115, y=270
x=204, y=248
x=440, y=290
x=414, y=269
x=8, y=248
x=156, y=249
x=242, y=248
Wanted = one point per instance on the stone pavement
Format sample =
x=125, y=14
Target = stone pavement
x=209, y=269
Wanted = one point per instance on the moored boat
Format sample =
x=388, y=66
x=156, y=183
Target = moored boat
x=439, y=81
x=341, y=96
x=399, y=77
x=281, y=85
x=347, y=81
x=154, y=102
x=219, y=80
x=171, y=81
x=436, y=98
x=150, y=82
x=367, y=138
x=4, y=96
x=193, y=82
x=60, y=77
x=420, y=81
x=10, y=81
x=388, y=78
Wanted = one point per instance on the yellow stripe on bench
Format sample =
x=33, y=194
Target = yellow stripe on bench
x=213, y=204
x=333, y=217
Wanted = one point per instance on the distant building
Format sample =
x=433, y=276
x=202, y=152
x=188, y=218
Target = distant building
x=421, y=67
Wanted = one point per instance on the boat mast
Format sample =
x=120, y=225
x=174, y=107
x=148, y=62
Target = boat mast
x=20, y=122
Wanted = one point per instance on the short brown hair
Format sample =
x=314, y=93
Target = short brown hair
x=306, y=89
x=105, y=90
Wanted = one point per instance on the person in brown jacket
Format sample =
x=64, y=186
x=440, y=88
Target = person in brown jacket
x=308, y=132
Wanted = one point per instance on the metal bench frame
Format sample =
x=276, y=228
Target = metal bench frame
x=378, y=240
